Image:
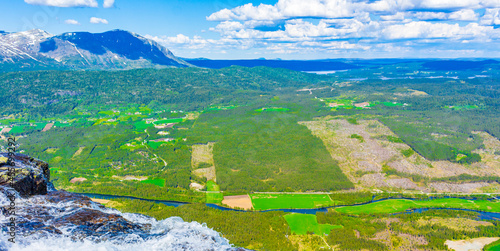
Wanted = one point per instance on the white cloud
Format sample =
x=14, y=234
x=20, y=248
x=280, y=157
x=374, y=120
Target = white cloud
x=71, y=21
x=108, y=3
x=491, y=17
x=399, y=16
x=286, y=9
x=96, y=20
x=464, y=15
x=228, y=26
x=423, y=30
x=64, y=3
x=399, y=5
x=427, y=15
x=247, y=12
x=402, y=26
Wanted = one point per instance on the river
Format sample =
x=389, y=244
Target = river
x=482, y=215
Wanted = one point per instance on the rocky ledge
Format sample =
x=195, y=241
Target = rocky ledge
x=28, y=176
x=45, y=218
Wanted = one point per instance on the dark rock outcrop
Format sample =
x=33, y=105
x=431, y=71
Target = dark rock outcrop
x=44, y=215
x=29, y=177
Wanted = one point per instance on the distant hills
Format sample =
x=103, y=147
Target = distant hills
x=116, y=49
x=122, y=50
x=349, y=64
x=296, y=65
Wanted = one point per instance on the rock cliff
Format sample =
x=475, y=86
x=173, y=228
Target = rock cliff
x=35, y=216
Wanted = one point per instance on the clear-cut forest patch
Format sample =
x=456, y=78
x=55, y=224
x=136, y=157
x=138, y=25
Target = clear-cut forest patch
x=372, y=156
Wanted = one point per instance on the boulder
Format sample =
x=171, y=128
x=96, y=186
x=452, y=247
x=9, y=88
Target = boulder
x=28, y=176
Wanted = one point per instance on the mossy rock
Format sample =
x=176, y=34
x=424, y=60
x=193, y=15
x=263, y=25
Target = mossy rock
x=3, y=160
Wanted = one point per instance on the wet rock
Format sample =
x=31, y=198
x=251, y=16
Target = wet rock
x=28, y=176
x=92, y=222
x=44, y=215
x=61, y=196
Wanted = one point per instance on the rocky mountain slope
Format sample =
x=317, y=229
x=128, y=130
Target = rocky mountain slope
x=47, y=219
x=117, y=49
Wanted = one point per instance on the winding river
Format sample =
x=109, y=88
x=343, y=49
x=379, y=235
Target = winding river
x=482, y=215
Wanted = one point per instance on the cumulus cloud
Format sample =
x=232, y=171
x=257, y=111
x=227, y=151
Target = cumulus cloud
x=399, y=16
x=491, y=17
x=464, y=15
x=285, y=9
x=96, y=20
x=376, y=25
x=71, y=21
x=64, y=3
x=423, y=29
x=427, y=15
x=108, y=3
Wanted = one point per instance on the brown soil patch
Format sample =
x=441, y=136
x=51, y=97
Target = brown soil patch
x=130, y=177
x=238, y=201
x=162, y=140
x=203, y=153
x=412, y=93
x=169, y=125
x=6, y=130
x=488, y=156
x=193, y=115
x=459, y=224
x=47, y=127
x=208, y=173
x=461, y=188
x=308, y=242
x=78, y=152
x=362, y=162
x=51, y=150
x=470, y=245
x=74, y=180
x=102, y=201
x=196, y=186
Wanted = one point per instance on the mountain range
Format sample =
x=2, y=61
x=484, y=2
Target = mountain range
x=116, y=49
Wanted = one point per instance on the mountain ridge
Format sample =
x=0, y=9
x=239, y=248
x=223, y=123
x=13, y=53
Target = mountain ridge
x=115, y=49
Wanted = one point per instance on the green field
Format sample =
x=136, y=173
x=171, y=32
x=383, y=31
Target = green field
x=392, y=104
x=220, y=108
x=142, y=125
x=272, y=109
x=400, y=205
x=60, y=124
x=166, y=121
x=495, y=246
x=277, y=201
x=158, y=182
x=463, y=107
x=155, y=145
x=214, y=197
x=212, y=186
x=304, y=223
x=17, y=129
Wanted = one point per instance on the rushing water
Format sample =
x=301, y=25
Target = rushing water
x=44, y=225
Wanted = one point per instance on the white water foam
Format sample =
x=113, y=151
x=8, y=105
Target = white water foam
x=168, y=234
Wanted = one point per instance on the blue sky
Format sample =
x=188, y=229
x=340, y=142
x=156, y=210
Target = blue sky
x=287, y=29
